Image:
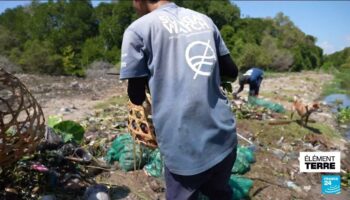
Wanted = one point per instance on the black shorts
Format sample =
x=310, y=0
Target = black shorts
x=214, y=183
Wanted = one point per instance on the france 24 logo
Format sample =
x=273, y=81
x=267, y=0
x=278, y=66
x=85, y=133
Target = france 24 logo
x=331, y=184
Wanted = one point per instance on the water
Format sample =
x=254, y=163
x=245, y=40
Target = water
x=339, y=101
x=343, y=99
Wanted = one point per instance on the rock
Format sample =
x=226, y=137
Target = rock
x=308, y=145
x=307, y=188
x=75, y=85
x=292, y=185
x=120, y=125
x=287, y=147
x=279, y=143
x=65, y=110
x=343, y=126
x=293, y=155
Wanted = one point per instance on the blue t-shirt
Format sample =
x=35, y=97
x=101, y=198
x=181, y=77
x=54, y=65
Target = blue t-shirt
x=255, y=74
x=178, y=49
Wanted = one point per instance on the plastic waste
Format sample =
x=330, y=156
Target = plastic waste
x=245, y=156
x=127, y=153
x=155, y=166
x=266, y=104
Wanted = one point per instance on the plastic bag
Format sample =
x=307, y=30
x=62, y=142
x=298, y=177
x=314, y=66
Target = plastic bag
x=128, y=154
x=155, y=165
x=244, y=158
x=266, y=104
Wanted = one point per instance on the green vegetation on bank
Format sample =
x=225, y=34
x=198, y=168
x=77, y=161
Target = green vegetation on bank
x=338, y=64
x=344, y=115
x=340, y=84
x=64, y=37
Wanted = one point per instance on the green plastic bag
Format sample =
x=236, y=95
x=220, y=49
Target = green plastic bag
x=127, y=153
x=117, y=147
x=241, y=166
x=266, y=104
x=247, y=153
x=240, y=186
x=155, y=165
x=244, y=158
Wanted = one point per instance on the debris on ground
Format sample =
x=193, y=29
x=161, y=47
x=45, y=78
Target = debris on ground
x=68, y=167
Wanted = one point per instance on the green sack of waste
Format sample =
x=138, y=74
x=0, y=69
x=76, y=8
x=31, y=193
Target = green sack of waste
x=155, y=165
x=241, y=165
x=247, y=153
x=127, y=153
x=244, y=158
x=240, y=187
x=113, y=154
x=266, y=104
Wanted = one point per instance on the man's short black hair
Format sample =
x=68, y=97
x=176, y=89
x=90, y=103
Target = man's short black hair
x=153, y=1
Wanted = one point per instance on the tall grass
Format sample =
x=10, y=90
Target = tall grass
x=340, y=84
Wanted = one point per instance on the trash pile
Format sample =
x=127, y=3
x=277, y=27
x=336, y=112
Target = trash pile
x=275, y=107
x=255, y=108
x=130, y=156
x=134, y=156
x=57, y=167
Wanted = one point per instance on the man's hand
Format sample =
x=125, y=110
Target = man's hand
x=234, y=95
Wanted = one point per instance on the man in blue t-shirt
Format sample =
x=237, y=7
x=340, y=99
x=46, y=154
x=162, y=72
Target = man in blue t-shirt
x=179, y=55
x=253, y=77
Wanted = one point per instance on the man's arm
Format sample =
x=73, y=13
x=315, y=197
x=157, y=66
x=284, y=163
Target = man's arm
x=137, y=90
x=228, y=69
x=241, y=87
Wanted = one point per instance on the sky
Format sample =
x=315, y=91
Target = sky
x=328, y=21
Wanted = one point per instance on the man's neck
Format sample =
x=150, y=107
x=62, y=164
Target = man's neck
x=154, y=6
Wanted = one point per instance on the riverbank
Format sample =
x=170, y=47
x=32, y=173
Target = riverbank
x=276, y=171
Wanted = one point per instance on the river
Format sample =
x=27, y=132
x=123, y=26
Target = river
x=339, y=101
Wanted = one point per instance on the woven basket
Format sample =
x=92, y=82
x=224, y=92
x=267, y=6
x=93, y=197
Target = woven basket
x=140, y=123
x=22, y=123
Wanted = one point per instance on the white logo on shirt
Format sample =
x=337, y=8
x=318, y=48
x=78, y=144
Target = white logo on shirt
x=186, y=24
x=196, y=62
x=248, y=73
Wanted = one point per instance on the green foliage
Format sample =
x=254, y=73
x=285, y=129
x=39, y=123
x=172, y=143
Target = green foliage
x=340, y=84
x=70, y=131
x=70, y=62
x=38, y=56
x=7, y=41
x=340, y=59
x=64, y=37
x=228, y=33
x=93, y=49
x=343, y=115
x=53, y=120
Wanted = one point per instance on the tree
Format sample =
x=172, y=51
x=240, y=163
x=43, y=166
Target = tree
x=7, y=41
x=39, y=57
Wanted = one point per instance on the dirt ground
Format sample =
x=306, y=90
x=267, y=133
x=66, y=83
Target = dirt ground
x=73, y=98
x=76, y=99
